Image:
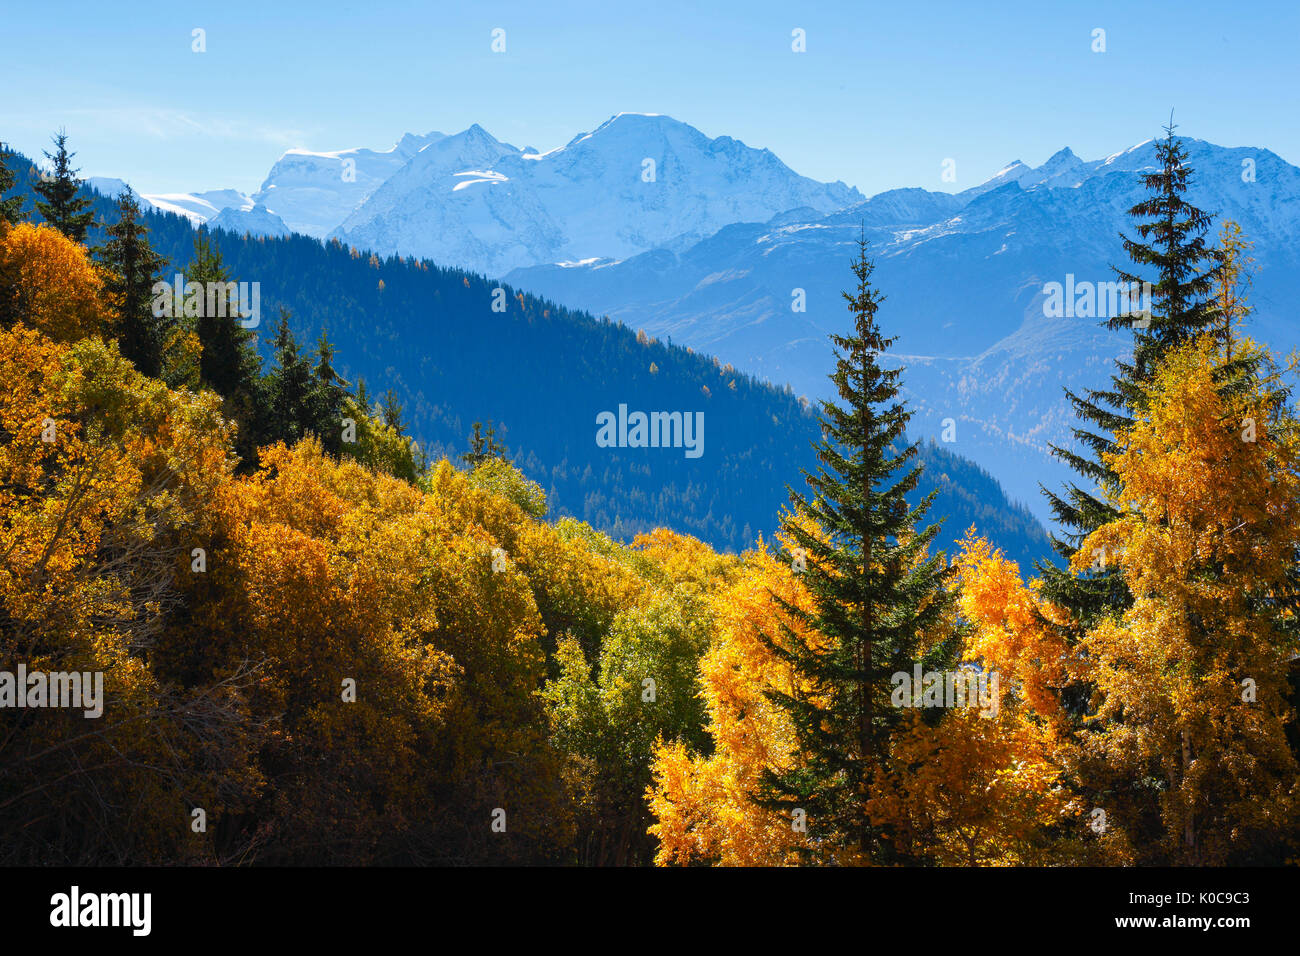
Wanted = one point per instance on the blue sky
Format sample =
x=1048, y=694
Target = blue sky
x=884, y=93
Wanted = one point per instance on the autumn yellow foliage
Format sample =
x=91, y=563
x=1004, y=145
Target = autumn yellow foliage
x=48, y=283
x=1011, y=627
x=704, y=805
x=359, y=659
x=1191, y=683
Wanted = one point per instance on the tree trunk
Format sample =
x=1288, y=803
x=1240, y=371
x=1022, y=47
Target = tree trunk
x=1189, y=828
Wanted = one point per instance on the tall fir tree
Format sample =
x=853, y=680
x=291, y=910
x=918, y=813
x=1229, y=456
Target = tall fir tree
x=483, y=445
x=288, y=389
x=132, y=269
x=228, y=362
x=876, y=591
x=392, y=411
x=328, y=397
x=1171, y=242
x=11, y=209
x=62, y=207
x=362, y=398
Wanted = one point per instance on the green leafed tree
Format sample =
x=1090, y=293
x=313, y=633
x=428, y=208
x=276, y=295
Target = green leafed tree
x=643, y=687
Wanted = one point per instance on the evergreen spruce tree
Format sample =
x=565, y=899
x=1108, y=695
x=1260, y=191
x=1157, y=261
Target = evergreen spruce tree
x=876, y=591
x=133, y=268
x=228, y=363
x=1196, y=289
x=62, y=207
x=328, y=397
x=483, y=446
x=288, y=389
x=11, y=209
x=392, y=411
x=363, y=397
x=1171, y=243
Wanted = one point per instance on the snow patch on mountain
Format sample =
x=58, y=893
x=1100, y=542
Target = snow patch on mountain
x=198, y=208
x=112, y=188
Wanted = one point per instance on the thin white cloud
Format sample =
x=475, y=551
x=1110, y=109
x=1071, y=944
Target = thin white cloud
x=158, y=123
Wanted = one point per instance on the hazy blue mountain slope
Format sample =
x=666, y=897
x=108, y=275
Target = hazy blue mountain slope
x=546, y=372
x=964, y=277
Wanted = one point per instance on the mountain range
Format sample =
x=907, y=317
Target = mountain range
x=719, y=246
x=547, y=375
x=637, y=182
x=967, y=278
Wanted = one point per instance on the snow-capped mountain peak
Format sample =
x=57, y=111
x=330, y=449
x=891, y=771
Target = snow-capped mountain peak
x=1013, y=172
x=314, y=191
x=1062, y=162
x=198, y=208
x=108, y=186
x=635, y=182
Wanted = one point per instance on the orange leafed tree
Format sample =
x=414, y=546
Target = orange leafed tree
x=1232, y=283
x=48, y=282
x=390, y=651
x=980, y=787
x=1011, y=628
x=1191, y=682
x=703, y=805
x=974, y=790
x=103, y=473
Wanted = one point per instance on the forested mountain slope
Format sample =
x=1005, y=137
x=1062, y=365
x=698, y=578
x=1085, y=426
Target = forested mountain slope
x=456, y=351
